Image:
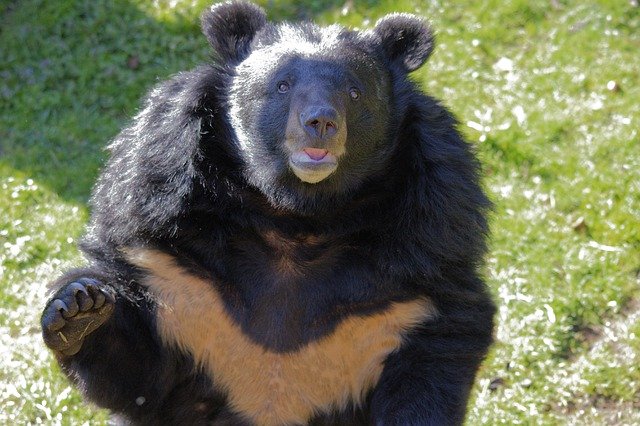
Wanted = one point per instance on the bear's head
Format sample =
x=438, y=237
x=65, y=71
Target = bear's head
x=313, y=107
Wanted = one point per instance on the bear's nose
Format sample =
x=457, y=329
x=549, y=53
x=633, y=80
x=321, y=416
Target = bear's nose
x=320, y=122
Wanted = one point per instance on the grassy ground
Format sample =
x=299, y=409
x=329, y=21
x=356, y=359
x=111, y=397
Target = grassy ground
x=547, y=90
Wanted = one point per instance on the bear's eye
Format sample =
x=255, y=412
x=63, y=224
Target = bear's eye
x=283, y=87
x=354, y=93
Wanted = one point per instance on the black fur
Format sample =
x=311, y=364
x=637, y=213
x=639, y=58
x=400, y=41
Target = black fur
x=405, y=41
x=402, y=217
x=231, y=29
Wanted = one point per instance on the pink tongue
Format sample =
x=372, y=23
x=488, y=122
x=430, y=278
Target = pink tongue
x=316, y=154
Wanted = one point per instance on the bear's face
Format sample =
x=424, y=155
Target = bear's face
x=311, y=106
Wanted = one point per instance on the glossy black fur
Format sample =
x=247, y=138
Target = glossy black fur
x=411, y=224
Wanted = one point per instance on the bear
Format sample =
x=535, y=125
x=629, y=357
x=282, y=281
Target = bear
x=289, y=234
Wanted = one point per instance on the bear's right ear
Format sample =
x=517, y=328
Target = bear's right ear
x=406, y=40
x=230, y=27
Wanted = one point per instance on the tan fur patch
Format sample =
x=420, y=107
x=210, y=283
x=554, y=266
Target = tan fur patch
x=266, y=387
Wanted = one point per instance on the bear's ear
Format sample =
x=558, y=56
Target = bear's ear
x=405, y=39
x=230, y=27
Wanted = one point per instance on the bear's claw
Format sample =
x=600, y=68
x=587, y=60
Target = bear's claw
x=76, y=310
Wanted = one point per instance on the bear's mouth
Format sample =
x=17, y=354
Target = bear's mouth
x=312, y=165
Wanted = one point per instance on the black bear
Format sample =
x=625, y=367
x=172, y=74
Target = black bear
x=288, y=235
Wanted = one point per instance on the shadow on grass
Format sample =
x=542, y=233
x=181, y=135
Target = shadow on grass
x=74, y=72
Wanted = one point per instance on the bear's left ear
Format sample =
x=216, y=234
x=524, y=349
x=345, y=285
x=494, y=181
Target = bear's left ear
x=231, y=26
x=405, y=39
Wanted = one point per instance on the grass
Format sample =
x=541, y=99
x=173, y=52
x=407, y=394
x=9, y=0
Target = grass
x=529, y=82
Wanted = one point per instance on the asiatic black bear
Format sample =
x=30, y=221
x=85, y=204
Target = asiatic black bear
x=290, y=234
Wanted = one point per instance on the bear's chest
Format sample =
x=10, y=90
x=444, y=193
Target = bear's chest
x=285, y=292
x=263, y=385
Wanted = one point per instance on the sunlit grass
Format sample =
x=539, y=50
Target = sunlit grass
x=37, y=237
x=546, y=90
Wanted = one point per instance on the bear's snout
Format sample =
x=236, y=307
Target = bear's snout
x=320, y=122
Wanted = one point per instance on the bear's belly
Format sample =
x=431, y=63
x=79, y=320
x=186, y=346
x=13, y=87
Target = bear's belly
x=267, y=387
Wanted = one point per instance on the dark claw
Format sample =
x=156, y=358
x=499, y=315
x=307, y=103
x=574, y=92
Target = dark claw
x=98, y=296
x=85, y=301
x=77, y=300
x=52, y=316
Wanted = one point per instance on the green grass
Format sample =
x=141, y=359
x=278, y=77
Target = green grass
x=528, y=81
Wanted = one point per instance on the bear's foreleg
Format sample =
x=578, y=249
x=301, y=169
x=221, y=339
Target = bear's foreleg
x=106, y=343
x=427, y=381
x=75, y=311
